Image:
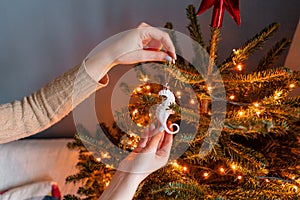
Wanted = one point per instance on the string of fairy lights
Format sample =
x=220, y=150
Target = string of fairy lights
x=238, y=177
x=207, y=173
x=258, y=108
x=221, y=171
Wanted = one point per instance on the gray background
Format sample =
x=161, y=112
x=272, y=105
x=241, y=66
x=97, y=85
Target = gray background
x=40, y=39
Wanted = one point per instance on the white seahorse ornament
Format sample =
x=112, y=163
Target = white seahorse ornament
x=163, y=111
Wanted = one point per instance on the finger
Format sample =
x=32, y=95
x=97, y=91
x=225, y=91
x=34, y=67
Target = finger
x=166, y=145
x=154, y=33
x=143, y=56
x=146, y=42
x=153, y=143
x=167, y=142
x=150, y=43
x=151, y=131
x=168, y=138
x=165, y=149
x=161, y=141
x=144, y=138
x=143, y=24
x=137, y=149
x=153, y=45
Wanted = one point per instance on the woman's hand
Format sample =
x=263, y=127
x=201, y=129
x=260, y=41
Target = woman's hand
x=152, y=153
x=145, y=43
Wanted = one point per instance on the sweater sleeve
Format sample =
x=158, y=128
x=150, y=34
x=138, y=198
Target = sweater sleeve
x=48, y=105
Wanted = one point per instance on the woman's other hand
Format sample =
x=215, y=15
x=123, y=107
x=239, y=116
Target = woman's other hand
x=144, y=43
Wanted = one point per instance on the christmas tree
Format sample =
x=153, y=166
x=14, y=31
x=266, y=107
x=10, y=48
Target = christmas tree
x=255, y=156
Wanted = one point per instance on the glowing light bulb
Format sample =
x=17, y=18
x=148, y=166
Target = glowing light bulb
x=148, y=87
x=109, y=166
x=205, y=174
x=256, y=104
x=233, y=166
x=293, y=178
x=105, y=155
x=192, y=101
x=258, y=113
x=139, y=125
x=149, y=93
x=222, y=170
x=184, y=168
x=145, y=79
x=278, y=93
x=239, y=177
x=239, y=67
x=241, y=113
x=267, y=180
x=98, y=159
x=178, y=93
x=138, y=89
x=292, y=85
x=107, y=183
x=175, y=164
x=135, y=111
x=232, y=97
x=235, y=51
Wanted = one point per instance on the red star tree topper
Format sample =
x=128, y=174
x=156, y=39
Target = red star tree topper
x=232, y=6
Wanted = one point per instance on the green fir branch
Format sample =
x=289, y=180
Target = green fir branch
x=181, y=190
x=293, y=102
x=268, y=75
x=273, y=54
x=185, y=76
x=194, y=27
x=250, y=160
x=261, y=190
x=242, y=54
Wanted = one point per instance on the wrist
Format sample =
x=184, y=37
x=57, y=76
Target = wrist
x=122, y=186
x=98, y=66
x=132, y=178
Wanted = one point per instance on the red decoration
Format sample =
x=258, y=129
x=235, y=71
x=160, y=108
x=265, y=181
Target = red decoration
x=232, y=6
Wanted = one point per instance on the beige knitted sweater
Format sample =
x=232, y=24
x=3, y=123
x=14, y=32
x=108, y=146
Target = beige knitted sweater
x=46, y=106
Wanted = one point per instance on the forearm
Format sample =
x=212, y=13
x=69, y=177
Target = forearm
x=122, y=186
x=47, y=106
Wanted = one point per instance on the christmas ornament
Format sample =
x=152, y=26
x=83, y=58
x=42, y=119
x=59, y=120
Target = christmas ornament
x=163, y=111
x=232, y=6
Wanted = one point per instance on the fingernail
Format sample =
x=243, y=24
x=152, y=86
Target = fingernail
x=168, y=58
x=175, y=56
x=173, y=61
